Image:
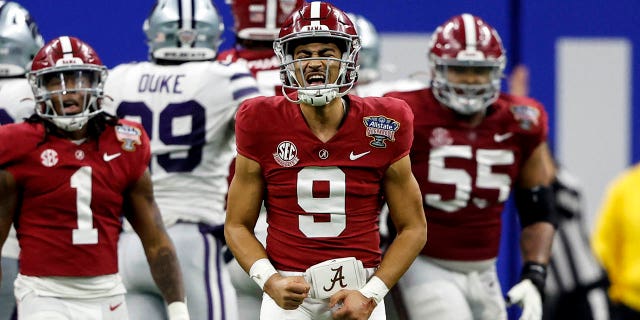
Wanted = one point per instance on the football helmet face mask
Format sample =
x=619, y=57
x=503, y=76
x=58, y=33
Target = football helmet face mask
x=261, y=19
x=183, y=30
x=19, y=39
x=369, y=56
x=67, y=79
x=466, y=41
x=317, y=22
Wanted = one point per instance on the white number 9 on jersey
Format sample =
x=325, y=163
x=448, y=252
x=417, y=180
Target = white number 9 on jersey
x=334, y=204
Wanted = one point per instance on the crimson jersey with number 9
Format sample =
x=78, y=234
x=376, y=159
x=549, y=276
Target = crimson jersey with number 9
x=322, y=198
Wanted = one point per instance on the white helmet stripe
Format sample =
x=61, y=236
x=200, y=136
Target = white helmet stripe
x=470, y=31
x=272, y=13
x=315, y=13
x=186, y=7
x=65, y=43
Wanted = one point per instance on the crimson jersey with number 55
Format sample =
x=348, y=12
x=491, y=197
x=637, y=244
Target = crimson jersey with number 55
x=467, y=173
x=70, y=214
x=323, y=198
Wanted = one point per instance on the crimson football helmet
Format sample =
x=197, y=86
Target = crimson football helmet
x=261, y=19
x=67, y=65
x=19, y=39
x=318, y=22
x=466, y=41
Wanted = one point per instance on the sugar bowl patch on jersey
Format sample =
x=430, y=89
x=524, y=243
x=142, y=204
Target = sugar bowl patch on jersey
x=527, y=116
x=380, y=128
x=129, y=136
x=286, y=154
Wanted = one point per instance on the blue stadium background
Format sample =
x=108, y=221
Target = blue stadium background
x=530, y=31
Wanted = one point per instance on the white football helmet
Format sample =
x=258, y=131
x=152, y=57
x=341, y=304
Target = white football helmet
x=183, y=30
x=19, y=39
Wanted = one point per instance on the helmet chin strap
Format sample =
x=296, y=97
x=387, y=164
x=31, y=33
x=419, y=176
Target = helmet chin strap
x=74, y=122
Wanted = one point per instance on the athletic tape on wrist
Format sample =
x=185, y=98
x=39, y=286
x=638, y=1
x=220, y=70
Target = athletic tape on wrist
x=261, y=271
x=177, y=311
x=375, y=289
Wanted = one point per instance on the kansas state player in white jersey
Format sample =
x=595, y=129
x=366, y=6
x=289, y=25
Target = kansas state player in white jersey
x=19, y=42
x=187, y=104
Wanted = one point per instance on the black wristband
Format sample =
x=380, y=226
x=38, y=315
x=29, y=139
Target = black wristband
x=537, y=273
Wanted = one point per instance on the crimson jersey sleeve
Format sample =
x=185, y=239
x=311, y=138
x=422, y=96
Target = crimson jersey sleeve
x=247, y=127
x=403, y=145
x=126, y=133
x=70, y=216
x=323, y=197
x=530, y=117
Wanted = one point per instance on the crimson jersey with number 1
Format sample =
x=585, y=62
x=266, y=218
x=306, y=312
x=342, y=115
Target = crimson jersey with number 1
x=467, y=173
x=323, y=198
x=71, y=206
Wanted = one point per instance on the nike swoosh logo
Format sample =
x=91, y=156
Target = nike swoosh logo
x=353, y=156
x=111, y=308
x=108, y=157
x=502, y=137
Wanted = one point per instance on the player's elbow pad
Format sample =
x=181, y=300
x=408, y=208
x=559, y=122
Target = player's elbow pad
x=536, y=205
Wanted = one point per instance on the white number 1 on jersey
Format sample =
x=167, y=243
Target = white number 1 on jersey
x=85, y=233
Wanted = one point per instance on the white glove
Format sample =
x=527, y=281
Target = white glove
x=527, y=296
x=178, y=311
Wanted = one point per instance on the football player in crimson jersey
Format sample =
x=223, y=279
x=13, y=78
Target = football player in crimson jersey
x=473, y=146
x=256, y=25
x=187, y=103
x=70, y=173
x=19, y=43
x=321, y=160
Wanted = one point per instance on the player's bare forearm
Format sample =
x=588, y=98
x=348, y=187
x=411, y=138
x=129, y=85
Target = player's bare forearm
x=405, y=208
x=400, y=254
x=142, y=212
x=244, y=245
x=166, y=273
x=243, y=207
x=535, y=242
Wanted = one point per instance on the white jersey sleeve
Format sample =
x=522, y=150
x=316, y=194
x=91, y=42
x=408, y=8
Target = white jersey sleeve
x=16, y=100
x=188, y=111
x=16, y=104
